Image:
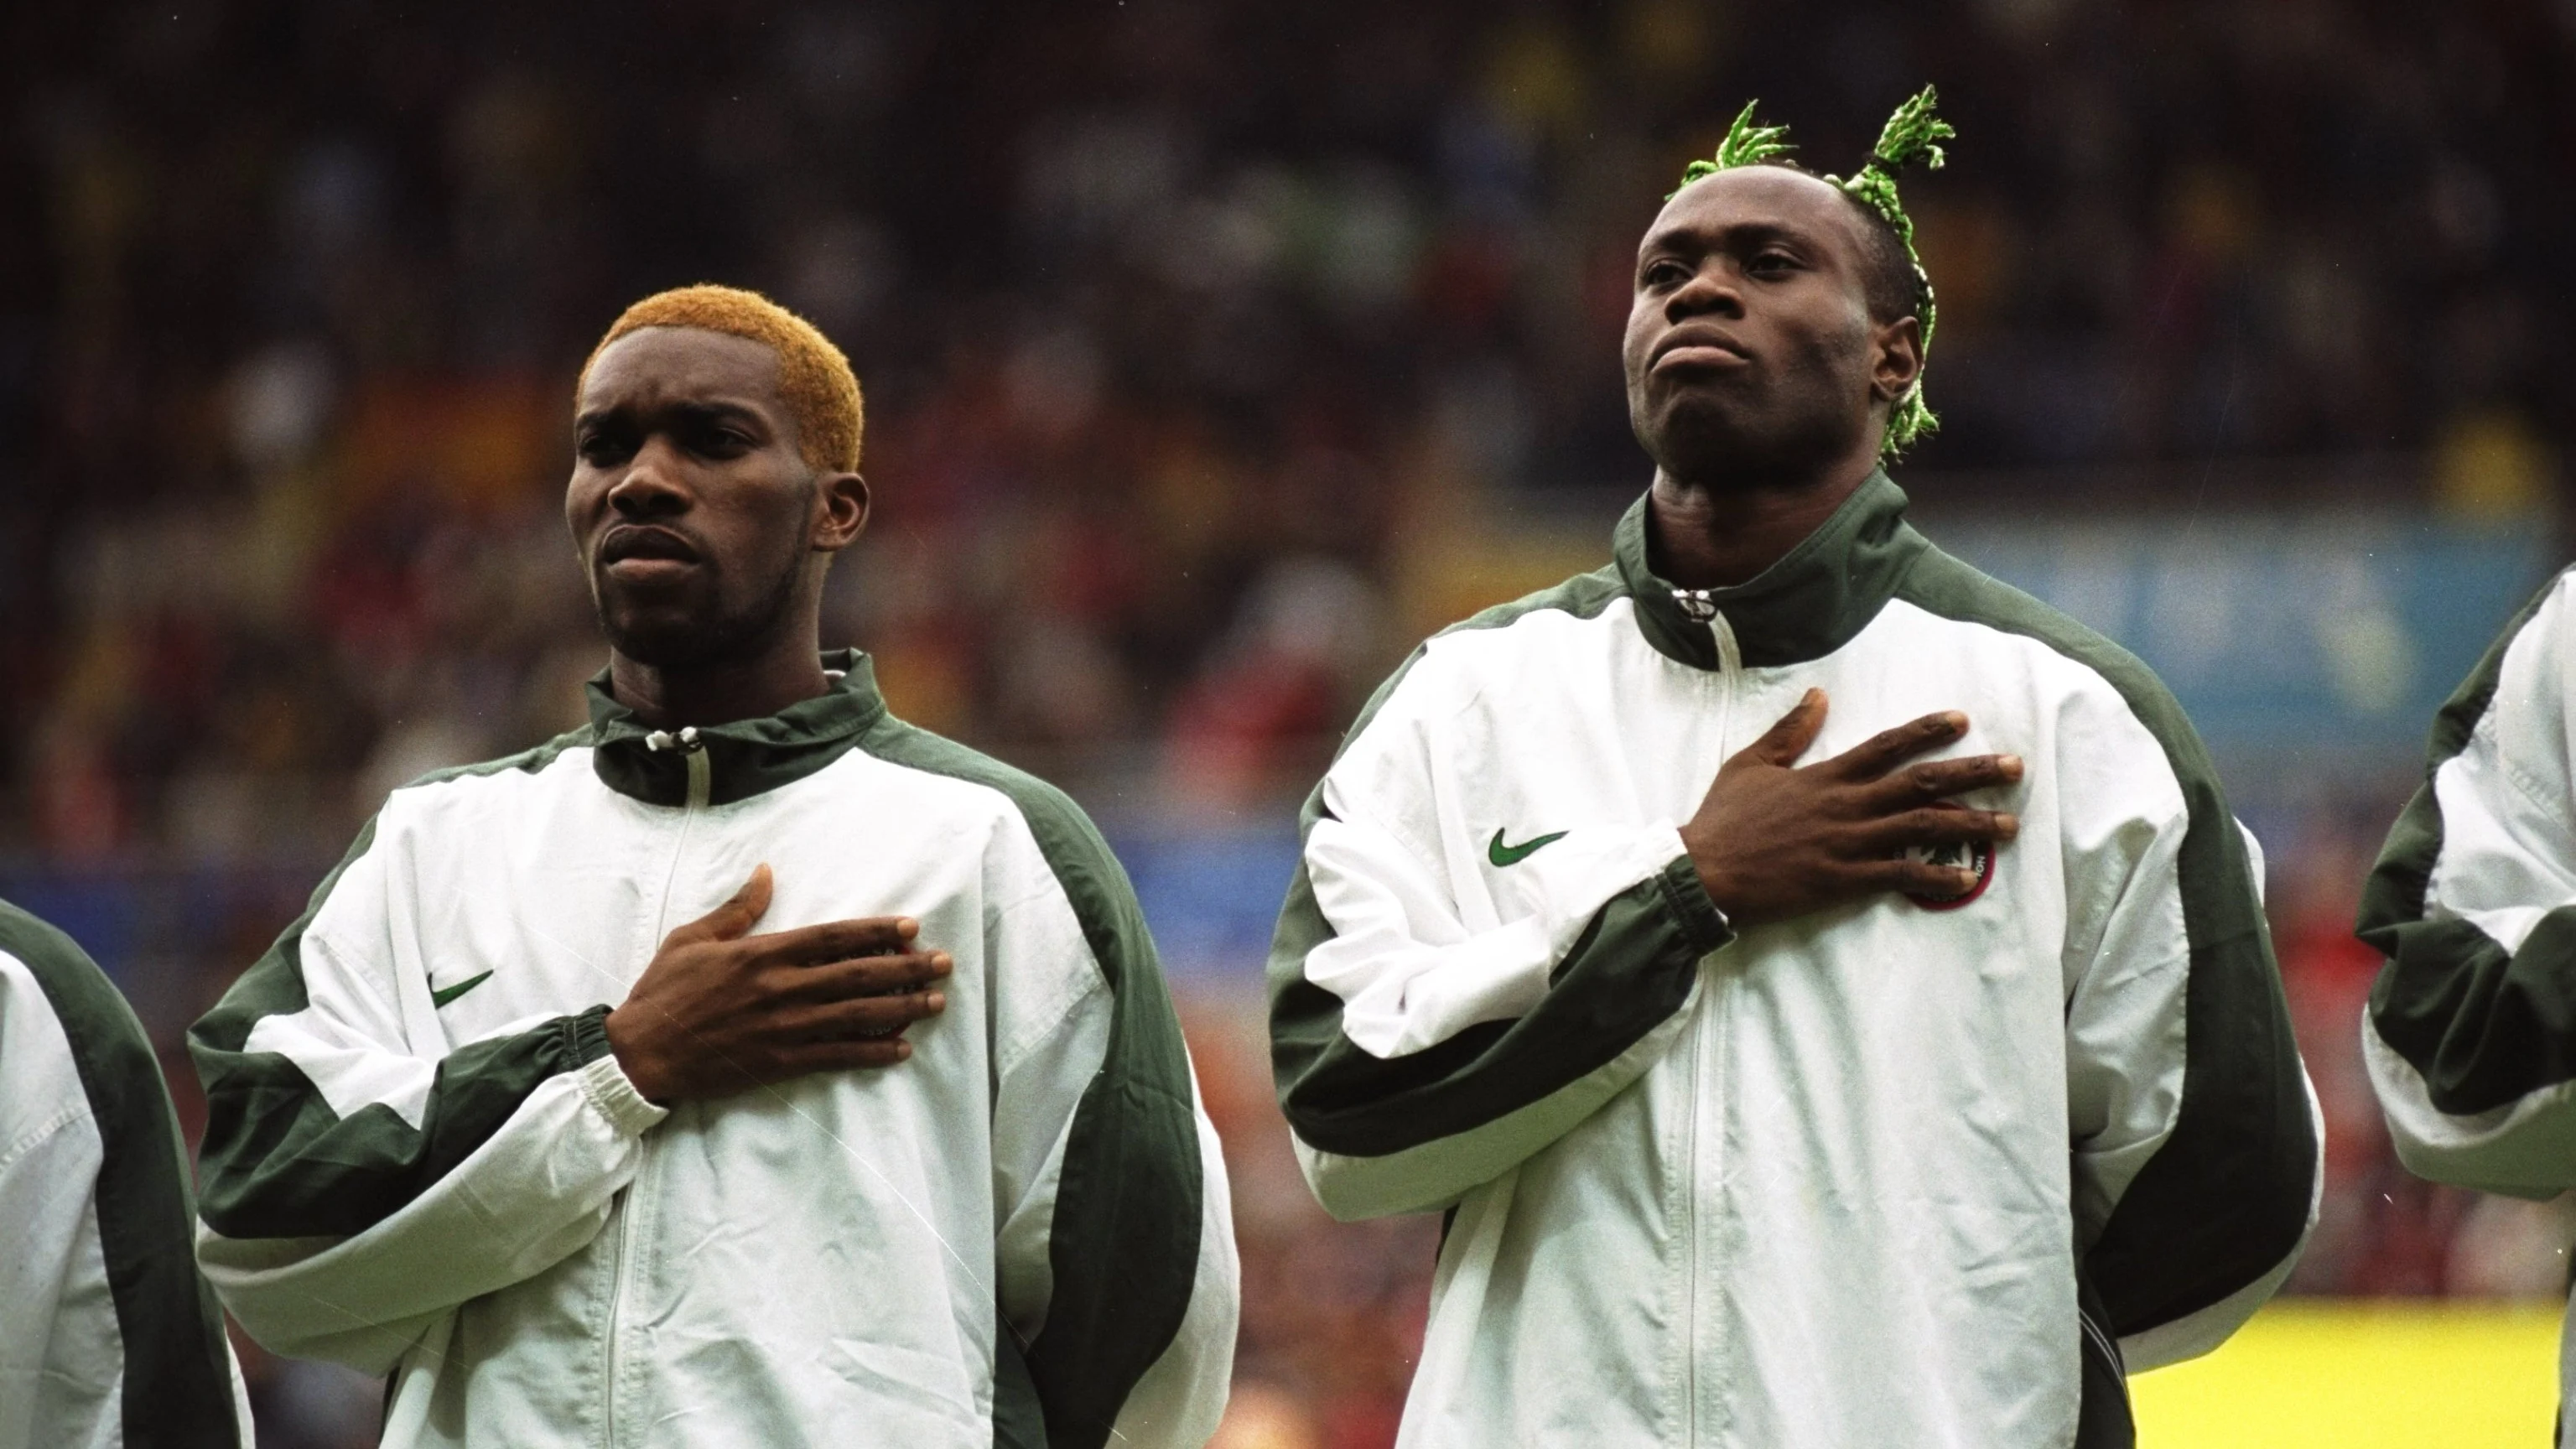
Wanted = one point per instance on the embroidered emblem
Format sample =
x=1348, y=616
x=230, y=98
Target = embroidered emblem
x=445, y=994
x=1976, y=855
x=1502, y=855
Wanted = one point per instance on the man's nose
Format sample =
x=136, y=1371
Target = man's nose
x=1710, y=290
x=652, y=485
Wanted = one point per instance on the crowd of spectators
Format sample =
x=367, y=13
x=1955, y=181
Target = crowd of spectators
x=1214, y=353
x=1195, y=335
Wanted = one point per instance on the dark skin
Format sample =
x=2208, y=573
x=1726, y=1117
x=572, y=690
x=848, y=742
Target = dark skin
x=1761, y=386
x=703, y=530
x=706, y=535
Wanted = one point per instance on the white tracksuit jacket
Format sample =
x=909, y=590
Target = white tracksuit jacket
x=1897, y=1173
x=2471, y=1036
x=422, y=1158
x=108, y=1338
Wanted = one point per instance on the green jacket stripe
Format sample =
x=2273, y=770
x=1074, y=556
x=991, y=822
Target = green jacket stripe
x=2225, y=1199
x=1631, y=968
x=1125, y=1243
x=1019, y=1420
x=178, y=1376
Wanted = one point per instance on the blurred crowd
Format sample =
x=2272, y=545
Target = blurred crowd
x=1213, y=353
x=1196, y=337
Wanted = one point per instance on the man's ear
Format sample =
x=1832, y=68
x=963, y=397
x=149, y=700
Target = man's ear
x=1897, y=358
x=840, y=510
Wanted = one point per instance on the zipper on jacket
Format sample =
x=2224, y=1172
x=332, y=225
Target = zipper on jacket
x=693, y=753
x=1730, y=669
x=1690, y=1231
x=1699, y=607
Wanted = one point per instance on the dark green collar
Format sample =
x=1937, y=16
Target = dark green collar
x=745, y=757
x=1809, y=604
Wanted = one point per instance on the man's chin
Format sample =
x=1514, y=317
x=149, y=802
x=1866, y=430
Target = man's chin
x=1697, y=439
x=663, y=642
x=1696, y=436
x=691, y=629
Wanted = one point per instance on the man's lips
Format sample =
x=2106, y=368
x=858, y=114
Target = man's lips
x=640, y=552
x=1698, y=350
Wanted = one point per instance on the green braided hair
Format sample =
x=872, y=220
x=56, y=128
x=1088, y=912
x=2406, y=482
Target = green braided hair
x=1911, y=135
x=1746, y=144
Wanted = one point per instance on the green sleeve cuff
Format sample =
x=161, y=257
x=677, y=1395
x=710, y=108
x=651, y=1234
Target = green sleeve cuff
x=586, y=1034
x=1702, y=923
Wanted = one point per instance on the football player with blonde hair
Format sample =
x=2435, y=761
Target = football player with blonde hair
x=747, y=1067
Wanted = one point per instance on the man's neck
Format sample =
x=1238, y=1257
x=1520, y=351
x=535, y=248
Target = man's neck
x=750, y=688
x=1718, y=537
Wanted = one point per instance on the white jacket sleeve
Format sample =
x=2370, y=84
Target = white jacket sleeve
x=60, y=1363
x=1119, y=1288
x=360, y=1178
x=2196, y=1166
x=107, y=1334
x=2471, y=1036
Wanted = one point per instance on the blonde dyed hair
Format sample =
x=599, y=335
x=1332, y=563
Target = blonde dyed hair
x=814, y=379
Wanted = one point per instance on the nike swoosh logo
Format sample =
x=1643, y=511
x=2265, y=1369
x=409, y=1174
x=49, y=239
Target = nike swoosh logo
x=446, y=994
x=1502, y=855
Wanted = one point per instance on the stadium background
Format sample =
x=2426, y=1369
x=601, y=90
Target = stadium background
x=1214, y=354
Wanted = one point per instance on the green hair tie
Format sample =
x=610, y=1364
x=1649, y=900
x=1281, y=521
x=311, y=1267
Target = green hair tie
x=1913, y=135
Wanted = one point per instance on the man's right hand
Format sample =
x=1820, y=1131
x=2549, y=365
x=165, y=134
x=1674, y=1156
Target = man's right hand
x=1773, y=841
x=720, y=1011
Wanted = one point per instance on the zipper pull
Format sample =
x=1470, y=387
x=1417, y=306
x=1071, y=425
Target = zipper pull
x=1699, y=608
x=693, y=751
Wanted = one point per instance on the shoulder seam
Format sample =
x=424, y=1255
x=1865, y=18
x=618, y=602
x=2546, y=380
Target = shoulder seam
x=2057, y=649
x=52, y=1127
x=1010, y=1056
x=2076, y=632
x=1500, y=619
x=1028, y=798
x=2072, y=642
x=2514, y=774
x=1023, y=792
x=531, y=761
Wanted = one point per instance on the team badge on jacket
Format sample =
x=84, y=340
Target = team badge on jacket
x=1976, y=855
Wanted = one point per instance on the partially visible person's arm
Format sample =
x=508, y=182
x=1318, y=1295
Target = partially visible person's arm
x=107, y=1334
x=2197, y=1140
x=2471, y=1038
x=361, y=1180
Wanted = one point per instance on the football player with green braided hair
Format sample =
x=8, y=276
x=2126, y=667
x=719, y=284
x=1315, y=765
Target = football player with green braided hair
x=1824, y=987
x=1912, y=136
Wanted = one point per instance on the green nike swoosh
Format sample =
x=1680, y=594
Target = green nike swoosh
x=446, y=994
x=1502, y=855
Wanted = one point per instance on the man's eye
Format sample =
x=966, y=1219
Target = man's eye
x=598, y=448
x=1664, y=274
x=1772, y=262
